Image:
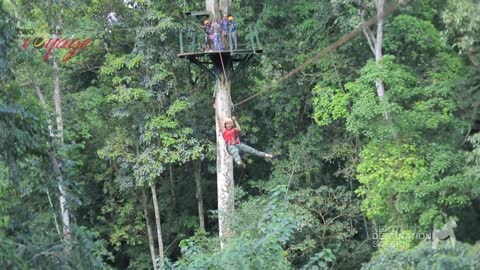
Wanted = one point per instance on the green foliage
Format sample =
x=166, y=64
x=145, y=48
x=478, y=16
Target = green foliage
x=405, y=183
x=29, y=240
x=462, y=256
x=321, y=260
x=412, y=105
x=22, y=133
x=330, y=105
x=463, y=23
x=385, y=167
x=367, y=115
x=325, y=216
x=299, y=218
x=413, y=40
x=472, y=169
x=394, y=238
x=246, y=251
x=132, y=111
x=6, y=39
x=9, y=258
x=166, y=142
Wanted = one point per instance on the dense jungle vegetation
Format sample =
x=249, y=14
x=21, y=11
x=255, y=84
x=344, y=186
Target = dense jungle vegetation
x=108, y=153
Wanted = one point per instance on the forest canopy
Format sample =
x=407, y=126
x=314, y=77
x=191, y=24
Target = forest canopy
x=365, y=113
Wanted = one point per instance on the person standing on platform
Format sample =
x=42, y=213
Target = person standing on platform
x=224, y=25
x=210, y=35
x=233, y=31
x=217, y=31
x=206, y=30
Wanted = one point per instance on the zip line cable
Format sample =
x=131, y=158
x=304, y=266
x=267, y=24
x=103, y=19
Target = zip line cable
x=342, y=40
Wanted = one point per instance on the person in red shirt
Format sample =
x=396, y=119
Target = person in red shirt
x=231, y=134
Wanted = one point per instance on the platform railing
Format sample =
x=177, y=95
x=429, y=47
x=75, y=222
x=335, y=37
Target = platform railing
x=192, y=40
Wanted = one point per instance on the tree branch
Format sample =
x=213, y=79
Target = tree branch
x=367, y=32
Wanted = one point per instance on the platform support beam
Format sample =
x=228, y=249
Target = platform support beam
x=202, y=66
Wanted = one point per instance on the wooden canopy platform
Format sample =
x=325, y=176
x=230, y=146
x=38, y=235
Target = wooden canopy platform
x=204, y=60
x=232, y=53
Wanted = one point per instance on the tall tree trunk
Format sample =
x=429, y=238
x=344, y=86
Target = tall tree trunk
x=223, y=6
x=225, y=196
x=149, y=229
x=197, y=165
x=212, y=6
x=224, y=160
x=217, y=7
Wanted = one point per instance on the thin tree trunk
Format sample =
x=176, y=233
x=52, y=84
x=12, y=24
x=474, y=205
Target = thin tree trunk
x=59, y=142
x=365, y=226
x=376, y=44
x=57, y=23
x=44, y=105
x=380, y=6
x=55, y=161
x=173, y=208
x=54, y=214
x=197, y=164
x=57, y=99
x=54, y=157
x=149, y=229
x=379, y=43
x=157, y=221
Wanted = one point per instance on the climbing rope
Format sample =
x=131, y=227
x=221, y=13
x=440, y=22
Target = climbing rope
x=226, y=79
x=342, y=40
x=223, y=66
